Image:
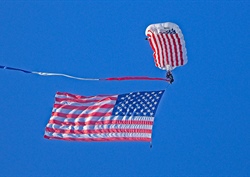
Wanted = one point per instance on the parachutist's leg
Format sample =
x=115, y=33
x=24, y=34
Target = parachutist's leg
x=170, y=77
x=172, y=80
x=146, y=38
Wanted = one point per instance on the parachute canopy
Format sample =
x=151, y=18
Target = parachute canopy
x=167, y=42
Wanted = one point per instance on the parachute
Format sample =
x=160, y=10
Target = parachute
x=167, y=42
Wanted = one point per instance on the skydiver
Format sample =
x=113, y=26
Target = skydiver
x=170, y=76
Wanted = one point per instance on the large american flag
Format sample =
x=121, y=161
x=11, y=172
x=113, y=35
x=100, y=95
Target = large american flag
x=124, y=117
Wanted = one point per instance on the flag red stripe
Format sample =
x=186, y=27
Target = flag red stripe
x=99, y=114
x=156, y=56
x=161, y=46
x=166, y=62
x=150, y=34
x=168, y=49
x=85, y=101
x=175, y=51
x=102, y=139
x=78, y=96
x=106, y=122
x=71, y=95
x=97, y=131
x=62, y=106
x=171, y=52
x=180, y=49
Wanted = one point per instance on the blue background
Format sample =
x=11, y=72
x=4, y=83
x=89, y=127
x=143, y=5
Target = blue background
x=202, y=123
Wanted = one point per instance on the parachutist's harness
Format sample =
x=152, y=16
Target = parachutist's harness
x=170, y=77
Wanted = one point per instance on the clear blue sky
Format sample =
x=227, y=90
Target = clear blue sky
x=202, y=125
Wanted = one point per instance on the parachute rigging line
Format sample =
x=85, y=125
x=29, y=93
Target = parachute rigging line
x=88, y=79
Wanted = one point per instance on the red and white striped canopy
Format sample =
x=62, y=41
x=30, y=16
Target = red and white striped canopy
x=167, y=42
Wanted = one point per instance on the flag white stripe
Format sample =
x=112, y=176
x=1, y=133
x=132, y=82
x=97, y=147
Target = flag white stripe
x=100, y=127
x=168, y=56
x=165, y=50
x=72, y=103
x=97, y=97
x=173, y=50
x=178, y=56
x=78, y=112
x=156, y=52
x=161, y=46
x=100, y=135
x=98, y=118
